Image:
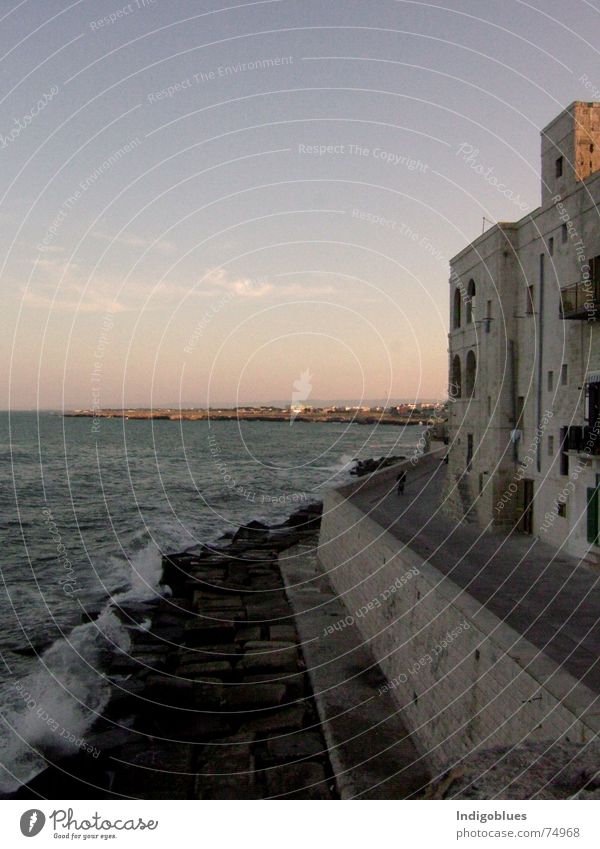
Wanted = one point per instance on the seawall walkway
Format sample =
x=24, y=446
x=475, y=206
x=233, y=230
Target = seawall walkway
x=550, y=598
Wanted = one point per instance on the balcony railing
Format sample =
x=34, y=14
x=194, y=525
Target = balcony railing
x=581, y=301
x=584, y=440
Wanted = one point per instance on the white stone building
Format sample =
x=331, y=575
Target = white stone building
x=524, y=344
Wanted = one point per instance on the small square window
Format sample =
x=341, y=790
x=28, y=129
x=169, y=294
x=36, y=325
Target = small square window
x=561, y=509
x=550, y=381
x=550, y=446
x=551, y=246
x=564, y=233
x=558, y=170
x=564, y=375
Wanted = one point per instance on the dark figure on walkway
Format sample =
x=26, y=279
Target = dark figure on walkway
x=401, y=481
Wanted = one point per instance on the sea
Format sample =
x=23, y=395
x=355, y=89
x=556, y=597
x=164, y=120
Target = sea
x=88, y=508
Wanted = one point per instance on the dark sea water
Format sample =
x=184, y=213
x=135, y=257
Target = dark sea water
x=85, y=517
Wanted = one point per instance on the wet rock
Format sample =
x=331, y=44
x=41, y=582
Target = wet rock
x=289, y=718
x=366, y=467
x=248, y=632
x=305, y=780
x=208, y=632
x=199, y=726
x=295, y=683
x=252, y=696
x=228, y=773
x=205, y=670
x=283, y=632
x=169, y=690
x=209, y=694
x=251, y=532
x=284, y=661
x=264, y=582
x=280, y=540
x=208, y=654
x=292, y=747
x=158, y=771
x=110, y=739
x=217, y=598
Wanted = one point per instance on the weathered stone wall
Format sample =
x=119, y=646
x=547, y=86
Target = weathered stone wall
x=486, y=687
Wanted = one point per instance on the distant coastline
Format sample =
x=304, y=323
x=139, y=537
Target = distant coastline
x=262, y=414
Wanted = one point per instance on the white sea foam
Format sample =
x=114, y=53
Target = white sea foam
x=144, y=577
x=49, y=711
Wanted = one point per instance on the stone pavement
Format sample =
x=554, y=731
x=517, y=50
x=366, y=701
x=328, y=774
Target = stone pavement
x=371, y=752
x=549, y=597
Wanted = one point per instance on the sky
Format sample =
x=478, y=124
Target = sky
x=206, y=203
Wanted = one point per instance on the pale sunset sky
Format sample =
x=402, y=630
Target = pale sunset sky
x=200, y=201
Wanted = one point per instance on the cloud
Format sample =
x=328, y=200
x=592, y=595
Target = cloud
x=260, y=287
x=60, y=266
x=53, y=249
x=90, y=303
x=60, y=287
x=162, y=245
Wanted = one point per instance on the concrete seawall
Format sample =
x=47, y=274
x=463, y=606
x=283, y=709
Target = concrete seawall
x=464, y=679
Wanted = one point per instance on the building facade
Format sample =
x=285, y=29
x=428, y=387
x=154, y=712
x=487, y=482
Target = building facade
x=524, y=355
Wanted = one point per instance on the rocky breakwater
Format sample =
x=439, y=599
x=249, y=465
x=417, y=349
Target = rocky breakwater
x=367, y=467
x=212, y=699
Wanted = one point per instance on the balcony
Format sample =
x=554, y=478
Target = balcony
x=581, y=301
x=583, y=440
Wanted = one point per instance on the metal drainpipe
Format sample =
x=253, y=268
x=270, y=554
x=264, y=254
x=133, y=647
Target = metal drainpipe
x=540, y=364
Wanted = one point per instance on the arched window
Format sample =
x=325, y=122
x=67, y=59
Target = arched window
x=470, y=301
x=471, y=373
x=456, y=310
x=455, y=389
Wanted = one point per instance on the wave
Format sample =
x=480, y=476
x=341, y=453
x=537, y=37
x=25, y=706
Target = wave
x=48, y=712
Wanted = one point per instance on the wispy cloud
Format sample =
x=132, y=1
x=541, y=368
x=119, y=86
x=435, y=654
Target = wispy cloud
x=132, y=241
x=90, y=303
x=59, y=286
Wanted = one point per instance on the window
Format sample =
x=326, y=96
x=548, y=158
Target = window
x=550, y=381
x=519, y=424
x=558, y=167
x=564, y=375
x=550, y=446
x=456, y=313
x=593, y=404
x=564, y=233
x=488, y=317
x=561, y=509
x=471, y=373
x=530, y=296
x=456, y=379
x=470, y=301
x=551, y=246
x=564, y=457
x=469, y=452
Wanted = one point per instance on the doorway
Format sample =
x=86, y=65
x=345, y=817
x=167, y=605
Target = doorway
x=526, y=506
